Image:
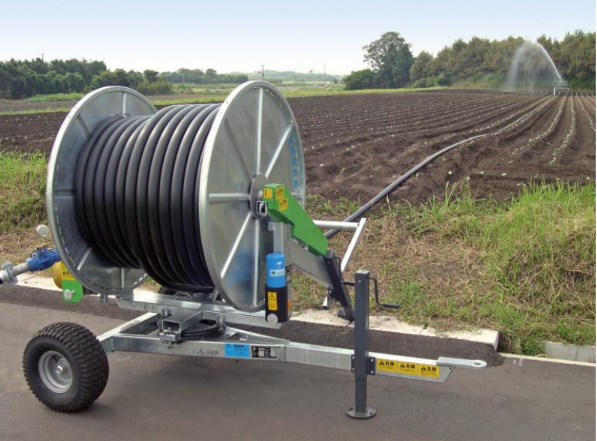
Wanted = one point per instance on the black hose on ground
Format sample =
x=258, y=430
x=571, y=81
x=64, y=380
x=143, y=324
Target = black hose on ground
x=137, y=193
x=394, y=185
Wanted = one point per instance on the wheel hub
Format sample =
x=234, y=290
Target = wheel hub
x=55, y=372
x=256, y=193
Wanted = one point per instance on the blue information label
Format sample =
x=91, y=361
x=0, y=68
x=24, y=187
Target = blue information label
x=237, y=351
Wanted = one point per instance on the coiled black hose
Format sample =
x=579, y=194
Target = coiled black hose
x=137, y=194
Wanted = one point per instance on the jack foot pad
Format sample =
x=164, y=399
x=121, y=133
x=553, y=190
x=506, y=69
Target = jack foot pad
x=369, y=413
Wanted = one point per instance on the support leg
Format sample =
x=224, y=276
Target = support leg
x=362, y=364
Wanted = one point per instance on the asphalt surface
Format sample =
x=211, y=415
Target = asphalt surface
x=167, y=397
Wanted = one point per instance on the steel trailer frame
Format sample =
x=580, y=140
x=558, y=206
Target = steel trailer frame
x=142, y=335
x=160, y=330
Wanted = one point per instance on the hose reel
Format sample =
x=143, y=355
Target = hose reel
x=201, y=197
x=132, y=191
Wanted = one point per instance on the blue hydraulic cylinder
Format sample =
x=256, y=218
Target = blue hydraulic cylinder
x=276, y=270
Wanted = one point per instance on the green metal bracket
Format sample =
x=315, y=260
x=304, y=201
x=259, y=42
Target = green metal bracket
x=72, y=290
x=283, y=207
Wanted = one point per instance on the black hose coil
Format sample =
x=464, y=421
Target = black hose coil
x=137, y=194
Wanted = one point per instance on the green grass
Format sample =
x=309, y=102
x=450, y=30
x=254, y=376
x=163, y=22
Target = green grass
x=525, y=266
x=22, y=191
x=290, y=93
x=55, y=97
x=537, y=257
x=213, y=94
x=35, y=111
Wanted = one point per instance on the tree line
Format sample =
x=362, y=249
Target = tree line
x=198, y=76
x=25, y=78
x=478, y=61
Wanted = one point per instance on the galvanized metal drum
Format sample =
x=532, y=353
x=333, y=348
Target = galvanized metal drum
x=84, y=263
x=254, y=140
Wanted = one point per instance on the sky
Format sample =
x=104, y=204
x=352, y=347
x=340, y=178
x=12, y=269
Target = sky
x=241, y=36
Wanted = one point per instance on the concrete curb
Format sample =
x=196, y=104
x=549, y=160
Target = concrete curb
x=393, y=324
x=515, y=357
x=563, y=351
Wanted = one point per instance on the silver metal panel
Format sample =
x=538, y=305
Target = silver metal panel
x=323, y=356
x=84, y=264
x=461, y=363
x=158, y=303
x=308, y=263
x=253, y=140
x=139, y=335
x=131, y=326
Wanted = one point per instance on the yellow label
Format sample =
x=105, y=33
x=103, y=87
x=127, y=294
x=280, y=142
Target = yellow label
x=267, y=193
x=272, y=301
x=65, y=273
x=283, y=205
x=279, y=193
x=399, y=367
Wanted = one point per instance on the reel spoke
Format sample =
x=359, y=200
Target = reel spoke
x=237, y=241
x=229, y=197
x=279, y=149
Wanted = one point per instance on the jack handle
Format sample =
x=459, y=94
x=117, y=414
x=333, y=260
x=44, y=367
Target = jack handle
x=376, y=294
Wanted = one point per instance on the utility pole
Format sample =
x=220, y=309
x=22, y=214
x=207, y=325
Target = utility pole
x=325, y=78
x=263, y=72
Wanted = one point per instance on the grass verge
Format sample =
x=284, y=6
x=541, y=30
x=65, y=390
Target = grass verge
x=22, y=203
x=525, y=267
x=55, y=97
x=35, y=111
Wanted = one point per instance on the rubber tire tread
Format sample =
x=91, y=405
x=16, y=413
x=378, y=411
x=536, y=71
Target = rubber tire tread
x=86, y=356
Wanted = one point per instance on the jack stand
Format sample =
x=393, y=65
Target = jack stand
x=363, y=365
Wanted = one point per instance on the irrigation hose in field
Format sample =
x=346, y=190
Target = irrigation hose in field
x=402, y=179
x=137, y=193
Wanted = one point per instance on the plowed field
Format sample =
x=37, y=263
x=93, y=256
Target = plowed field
x=355, y=145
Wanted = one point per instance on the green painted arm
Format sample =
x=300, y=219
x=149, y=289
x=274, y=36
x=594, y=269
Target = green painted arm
x=283, y=207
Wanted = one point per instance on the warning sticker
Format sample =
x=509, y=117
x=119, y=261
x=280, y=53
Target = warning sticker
x=279, y=193
x=399, y=367
x=272, y=301
x=65, y=273
x=267, y=193
x=283, y=204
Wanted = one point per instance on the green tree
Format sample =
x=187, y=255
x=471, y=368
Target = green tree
x=422, y=66
x=75, y=82
x=360, y=79
x=151, y=76
x=377, y=51
x=390, y=59
x=5, y=82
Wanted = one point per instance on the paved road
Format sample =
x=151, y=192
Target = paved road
x=170, y=398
